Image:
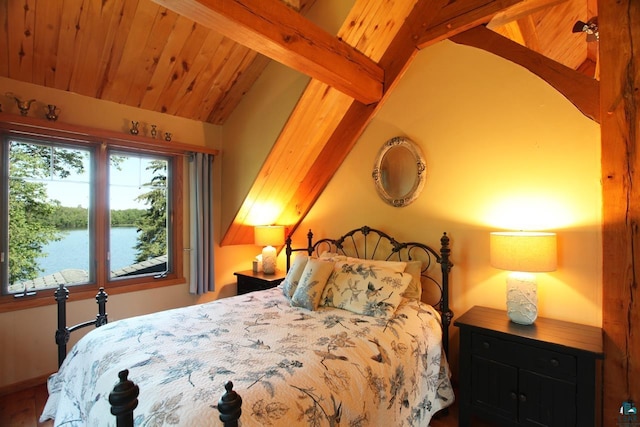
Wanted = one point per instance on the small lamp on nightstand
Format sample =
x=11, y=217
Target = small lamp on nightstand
x=523, y=253
x=269, y=236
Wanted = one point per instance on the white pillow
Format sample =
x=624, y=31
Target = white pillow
x=311, y=284
x=291, y=280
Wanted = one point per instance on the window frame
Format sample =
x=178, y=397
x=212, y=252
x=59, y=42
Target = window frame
x=104, y=141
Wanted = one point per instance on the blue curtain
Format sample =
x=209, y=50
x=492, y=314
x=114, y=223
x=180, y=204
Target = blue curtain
x=201, y=219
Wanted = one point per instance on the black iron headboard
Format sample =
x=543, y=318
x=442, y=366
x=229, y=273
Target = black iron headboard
x=368, y=243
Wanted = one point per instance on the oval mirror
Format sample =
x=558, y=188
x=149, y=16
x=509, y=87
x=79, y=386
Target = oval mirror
x=399, y=171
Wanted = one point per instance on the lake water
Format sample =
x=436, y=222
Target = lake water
x=72, y=251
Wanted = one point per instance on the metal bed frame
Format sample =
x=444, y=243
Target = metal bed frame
x=363, y=242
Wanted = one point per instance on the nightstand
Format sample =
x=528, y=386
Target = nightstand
x=248, y=281
x=545, y=374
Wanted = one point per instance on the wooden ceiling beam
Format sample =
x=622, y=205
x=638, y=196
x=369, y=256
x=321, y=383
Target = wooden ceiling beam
x=520, y=10
x=278, y=32
x=581, y=90
x=455, y=17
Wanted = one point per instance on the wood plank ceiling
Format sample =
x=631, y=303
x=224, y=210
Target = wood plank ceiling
x=163, y=56
x=133, y=52
x=139, y=53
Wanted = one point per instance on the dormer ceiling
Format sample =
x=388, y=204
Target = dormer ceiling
x=142, y=54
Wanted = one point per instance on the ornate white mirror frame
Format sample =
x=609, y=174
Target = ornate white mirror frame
x=399, y=171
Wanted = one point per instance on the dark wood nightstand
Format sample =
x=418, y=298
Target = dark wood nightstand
x=248, y=281
x=545, y=374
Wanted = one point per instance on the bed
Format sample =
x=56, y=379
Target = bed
x=344, y=340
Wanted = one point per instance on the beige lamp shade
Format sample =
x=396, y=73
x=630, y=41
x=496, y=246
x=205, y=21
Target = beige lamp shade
x=523, y=251
x=269, y=235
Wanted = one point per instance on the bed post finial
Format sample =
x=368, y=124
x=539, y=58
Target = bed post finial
x=124, y=399
x=101, y=300
x=230, y=406
x=310, y=243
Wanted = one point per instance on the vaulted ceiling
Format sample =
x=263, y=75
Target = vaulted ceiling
x=143, y=54
x=197, y=58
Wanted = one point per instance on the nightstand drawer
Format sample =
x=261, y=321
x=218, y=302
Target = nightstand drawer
x=542, y=361
x=491, y=347
x=551, y=363
x=250, y=281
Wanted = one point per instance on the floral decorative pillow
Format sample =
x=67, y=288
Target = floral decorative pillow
x=314, y=278
x=365, y=289
x=290, y=282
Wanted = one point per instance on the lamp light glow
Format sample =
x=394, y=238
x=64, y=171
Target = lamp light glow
x=523, y=253
x=269, y=236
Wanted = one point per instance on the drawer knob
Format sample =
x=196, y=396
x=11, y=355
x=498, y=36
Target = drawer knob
x=513, y=395
x=555, y=363
x=486, y=345
x=523, y=397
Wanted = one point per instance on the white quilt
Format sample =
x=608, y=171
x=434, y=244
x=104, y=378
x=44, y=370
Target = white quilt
x=291, y=366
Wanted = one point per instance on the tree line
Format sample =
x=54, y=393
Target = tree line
x=67, y=218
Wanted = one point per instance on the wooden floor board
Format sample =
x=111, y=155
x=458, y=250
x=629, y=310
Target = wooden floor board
x=23, y=408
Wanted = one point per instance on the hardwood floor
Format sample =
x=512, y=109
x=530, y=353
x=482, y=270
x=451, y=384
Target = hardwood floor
x=23, y=408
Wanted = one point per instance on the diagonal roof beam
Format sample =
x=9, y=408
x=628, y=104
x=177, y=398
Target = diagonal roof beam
x=278, y=32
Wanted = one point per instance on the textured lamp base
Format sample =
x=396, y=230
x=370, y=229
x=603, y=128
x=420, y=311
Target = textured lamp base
x=522, y=298
x=269, y=259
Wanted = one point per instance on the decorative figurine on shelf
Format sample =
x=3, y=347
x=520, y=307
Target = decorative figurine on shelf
x=52, y=112
x=154, y=131
x=134, y=128
x=23, y=106
x=167, y=136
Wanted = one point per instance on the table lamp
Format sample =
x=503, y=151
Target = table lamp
x=523, y=253
x=269, y=236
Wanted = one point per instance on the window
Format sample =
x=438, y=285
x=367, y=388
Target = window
x=139, y=229
x=86, y=213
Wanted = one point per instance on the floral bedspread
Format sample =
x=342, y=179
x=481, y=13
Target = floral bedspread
x=291, y=366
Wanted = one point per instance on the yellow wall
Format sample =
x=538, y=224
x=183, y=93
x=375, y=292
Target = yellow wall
x=503, y=151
